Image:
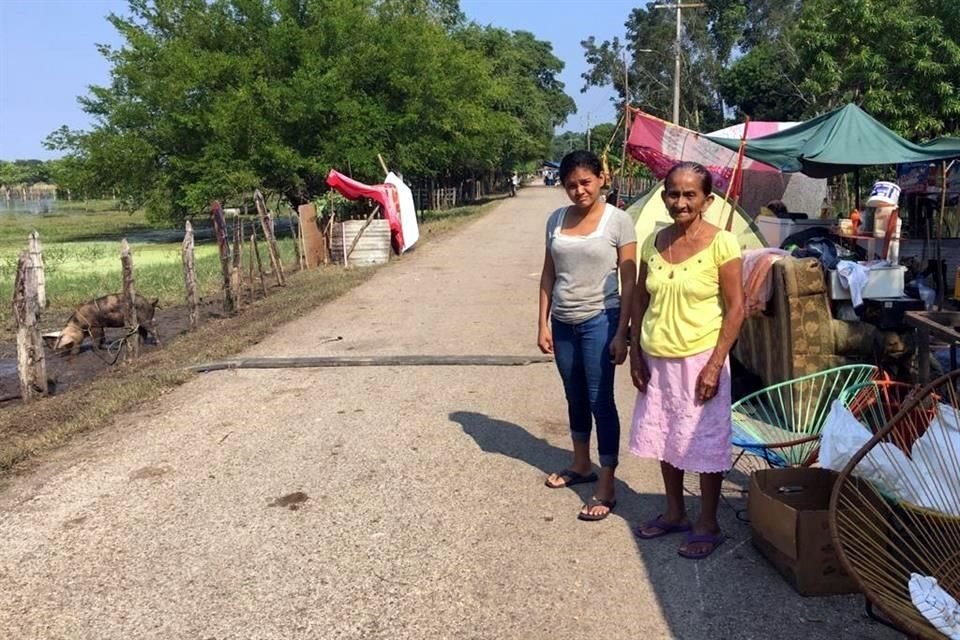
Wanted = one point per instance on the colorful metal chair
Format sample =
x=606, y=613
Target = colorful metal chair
x=782, y=423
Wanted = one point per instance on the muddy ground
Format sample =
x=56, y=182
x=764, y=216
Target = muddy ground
x=67, y=371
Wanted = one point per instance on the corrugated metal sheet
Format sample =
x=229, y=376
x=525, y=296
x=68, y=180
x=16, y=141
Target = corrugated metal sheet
x=373, y=247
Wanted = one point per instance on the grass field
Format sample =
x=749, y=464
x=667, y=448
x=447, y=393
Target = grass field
x=81, y=251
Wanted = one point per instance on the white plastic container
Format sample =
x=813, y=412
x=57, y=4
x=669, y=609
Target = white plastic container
x=882, y=282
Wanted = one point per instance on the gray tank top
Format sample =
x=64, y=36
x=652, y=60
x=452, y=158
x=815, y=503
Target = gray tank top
x=587, y=275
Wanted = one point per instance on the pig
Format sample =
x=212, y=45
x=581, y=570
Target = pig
x=91, y=318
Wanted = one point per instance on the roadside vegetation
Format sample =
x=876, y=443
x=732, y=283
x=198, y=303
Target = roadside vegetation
x=81, y=252
x=28, y=430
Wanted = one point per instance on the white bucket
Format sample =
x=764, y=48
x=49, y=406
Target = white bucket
x=884, y=193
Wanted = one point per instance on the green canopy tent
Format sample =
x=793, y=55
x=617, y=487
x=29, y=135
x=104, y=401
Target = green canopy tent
x=842, y=141
x=839, y=142
x=945, y=144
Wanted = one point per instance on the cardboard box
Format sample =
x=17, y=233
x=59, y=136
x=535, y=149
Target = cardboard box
x=788, y=515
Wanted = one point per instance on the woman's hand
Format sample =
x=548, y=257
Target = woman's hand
x=618, y=349
x=545, y=339
x=708, y=382
x=638, y=370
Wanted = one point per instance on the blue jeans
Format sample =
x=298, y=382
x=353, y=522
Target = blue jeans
x=582, y=354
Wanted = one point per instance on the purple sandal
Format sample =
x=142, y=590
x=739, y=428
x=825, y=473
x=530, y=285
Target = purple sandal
x=712, y=539
x=666, y=528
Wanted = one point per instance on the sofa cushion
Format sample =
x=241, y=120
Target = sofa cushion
x=803, y=276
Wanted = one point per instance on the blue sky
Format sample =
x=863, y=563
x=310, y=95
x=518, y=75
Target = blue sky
x=48, y=57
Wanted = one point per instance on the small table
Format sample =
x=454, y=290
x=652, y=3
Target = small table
x=939, y=324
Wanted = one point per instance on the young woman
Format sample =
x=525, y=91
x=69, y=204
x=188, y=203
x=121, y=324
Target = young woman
x=589, y=272
x=688, y=308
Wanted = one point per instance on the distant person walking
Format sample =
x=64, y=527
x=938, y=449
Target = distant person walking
x=589, y=273
x=687, y=313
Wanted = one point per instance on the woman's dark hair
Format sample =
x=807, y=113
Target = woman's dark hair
x=580, y=158
x=706, y=180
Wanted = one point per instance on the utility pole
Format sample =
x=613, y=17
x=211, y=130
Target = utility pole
x=676, y=53
x=588, y=131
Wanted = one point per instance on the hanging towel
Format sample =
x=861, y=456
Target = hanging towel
x=853, y=276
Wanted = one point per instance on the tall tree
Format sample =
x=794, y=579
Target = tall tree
x=716, y=37
x=212, y=98
x=898, y=60
x=566, y=142
x=527, y=96
x=709, y=38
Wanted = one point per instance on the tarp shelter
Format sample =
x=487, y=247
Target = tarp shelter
x=383, y=194
x=650, y=214
x=659, y=145
x=839, y=142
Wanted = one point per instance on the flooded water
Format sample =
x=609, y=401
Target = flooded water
x=41, y=206
x=8, y=367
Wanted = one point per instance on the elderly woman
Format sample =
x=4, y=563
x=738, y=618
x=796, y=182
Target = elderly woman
x=688, y=307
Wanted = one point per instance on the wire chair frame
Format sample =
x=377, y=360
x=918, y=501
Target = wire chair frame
x=782, y=423
x=881, y=541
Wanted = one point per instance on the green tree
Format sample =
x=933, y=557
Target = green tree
x=566, y=142
x=900, y=61
x=709, y=38
x=527, y=101
x=765, y=84
x=719, y=68
x=23, y=172
x=213, y=98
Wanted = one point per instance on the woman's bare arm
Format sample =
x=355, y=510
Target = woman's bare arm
x=731, y=291
x=547, y=278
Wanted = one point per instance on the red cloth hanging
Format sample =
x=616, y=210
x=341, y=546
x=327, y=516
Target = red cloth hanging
x=383, y=194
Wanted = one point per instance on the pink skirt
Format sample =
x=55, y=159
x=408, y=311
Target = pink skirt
x=670, y=426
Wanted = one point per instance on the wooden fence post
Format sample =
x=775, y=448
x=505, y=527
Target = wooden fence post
x=250, y=267
x=36, y=263
x=31, y=361
x=328, y=233
x=220, y=229
x=131, y=325
x=236, y=273
x=275, y=263
x=311, y=235
x=190, y=275
x=256, y=254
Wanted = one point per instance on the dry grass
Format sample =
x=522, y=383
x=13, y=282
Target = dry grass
x=28, y=430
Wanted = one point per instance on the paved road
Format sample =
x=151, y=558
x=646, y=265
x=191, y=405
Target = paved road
x=375, y=503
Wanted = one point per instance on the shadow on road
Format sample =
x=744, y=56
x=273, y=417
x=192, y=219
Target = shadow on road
x=733, y=594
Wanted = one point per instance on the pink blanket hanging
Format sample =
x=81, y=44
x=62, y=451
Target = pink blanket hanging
x=383, y=194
